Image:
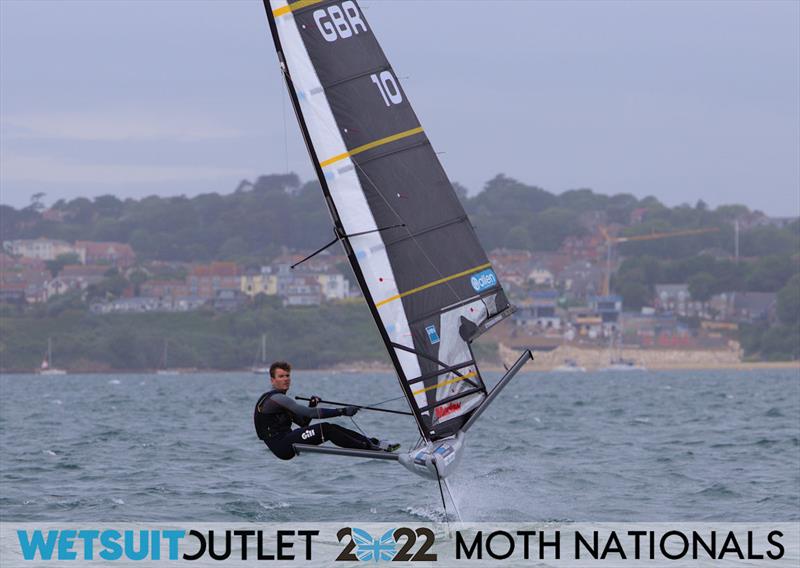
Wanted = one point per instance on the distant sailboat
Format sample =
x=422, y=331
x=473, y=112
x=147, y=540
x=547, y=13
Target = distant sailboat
x=165, y=370
x=46, y=367
x=261, y=367
x=570, y=366
x=619, y=363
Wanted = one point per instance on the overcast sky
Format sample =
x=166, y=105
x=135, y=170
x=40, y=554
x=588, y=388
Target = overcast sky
x=681, y=100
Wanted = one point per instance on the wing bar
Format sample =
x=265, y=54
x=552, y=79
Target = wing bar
x=374, y=454
x=497, y=388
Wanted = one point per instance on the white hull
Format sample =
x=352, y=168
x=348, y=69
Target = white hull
x=52, y=372
x=436, y=460
x=569, y=369
x=624, y=368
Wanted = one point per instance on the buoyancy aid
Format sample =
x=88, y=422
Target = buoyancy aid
x=269, y=425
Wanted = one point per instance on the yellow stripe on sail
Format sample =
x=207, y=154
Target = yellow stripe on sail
x=431, y=284
x=371, y=145
x=292, y=7
x=445, y=383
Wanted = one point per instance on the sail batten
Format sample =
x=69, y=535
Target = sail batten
x=428, y=282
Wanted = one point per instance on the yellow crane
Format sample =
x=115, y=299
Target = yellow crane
x=612, y=240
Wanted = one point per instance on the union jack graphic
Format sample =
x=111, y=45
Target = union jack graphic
x=375, y=549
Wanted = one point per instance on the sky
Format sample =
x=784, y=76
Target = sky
x=680, y=100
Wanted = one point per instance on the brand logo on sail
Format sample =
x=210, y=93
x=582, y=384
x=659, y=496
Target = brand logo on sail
x=432, y=335
x=483, y=280
x=442, y=411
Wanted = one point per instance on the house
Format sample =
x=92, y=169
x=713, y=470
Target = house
x=29, y=272
x=75, y=277
x=637, y=216
x=591, y=247
x=126, y=305
x=301, y=291
x=581, y=279
x=42, y=249
x=116, y=254
x=749, y=307
x=164, y=289
x=333, y=285
x=54, y=215
x=675, y=298
x=205, y=280
x=539, y=311
x=609, y=309
x=540, y=275
x=261, y=281
x=315, y=279
x=586, y=322
x=12, y=292
x=229, y=300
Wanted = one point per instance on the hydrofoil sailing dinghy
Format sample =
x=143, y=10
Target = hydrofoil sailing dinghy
x=425, y=277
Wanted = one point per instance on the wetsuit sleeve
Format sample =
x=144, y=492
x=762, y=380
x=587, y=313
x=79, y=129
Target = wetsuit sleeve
x=303, y=411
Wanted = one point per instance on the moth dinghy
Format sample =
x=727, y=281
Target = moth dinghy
x=426, y=279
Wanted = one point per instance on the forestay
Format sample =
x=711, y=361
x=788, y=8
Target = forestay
x=427, y=280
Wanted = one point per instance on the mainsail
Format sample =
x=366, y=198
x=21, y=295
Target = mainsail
x=427, y=280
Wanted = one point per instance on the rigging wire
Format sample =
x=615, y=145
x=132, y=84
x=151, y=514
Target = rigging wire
x=387, y=400
x=353, y=420
x=285, y=128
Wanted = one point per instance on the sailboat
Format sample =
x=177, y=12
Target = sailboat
x=261, y=367
x=619, y=363
x=426, y=279
x=165, y=370
x=569, y=366
x=46, y=368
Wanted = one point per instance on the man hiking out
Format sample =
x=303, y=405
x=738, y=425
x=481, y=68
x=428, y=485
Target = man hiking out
x=275, y=412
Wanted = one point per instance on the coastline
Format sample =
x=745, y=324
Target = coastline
x=540, y=364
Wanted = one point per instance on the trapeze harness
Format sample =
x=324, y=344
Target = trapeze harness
x=273, y=417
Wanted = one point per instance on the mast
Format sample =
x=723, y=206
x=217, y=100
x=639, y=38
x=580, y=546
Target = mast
x=337, y=223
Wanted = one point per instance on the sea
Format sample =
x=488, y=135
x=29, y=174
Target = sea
x=692, y=446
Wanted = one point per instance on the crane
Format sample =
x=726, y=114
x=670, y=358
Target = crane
x=612, y=240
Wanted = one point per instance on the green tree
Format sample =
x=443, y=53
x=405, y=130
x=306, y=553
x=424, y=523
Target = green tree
x=701, y=286
x=789, y=302
x=62, y=260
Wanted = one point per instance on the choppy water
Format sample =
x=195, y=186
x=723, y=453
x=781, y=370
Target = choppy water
x=668, y=446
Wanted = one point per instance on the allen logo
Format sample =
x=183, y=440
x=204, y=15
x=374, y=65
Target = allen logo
x=483, y=280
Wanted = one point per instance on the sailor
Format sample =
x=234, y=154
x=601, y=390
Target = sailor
x=275, y=412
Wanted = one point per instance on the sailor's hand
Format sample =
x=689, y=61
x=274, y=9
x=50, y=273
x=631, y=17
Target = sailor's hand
x=349, y=410
x=314, y=401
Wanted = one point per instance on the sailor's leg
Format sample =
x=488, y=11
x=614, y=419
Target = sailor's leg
x=345, y=438
x=283, y=447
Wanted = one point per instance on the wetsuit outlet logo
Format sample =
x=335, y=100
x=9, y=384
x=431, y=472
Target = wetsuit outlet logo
x=110, y=544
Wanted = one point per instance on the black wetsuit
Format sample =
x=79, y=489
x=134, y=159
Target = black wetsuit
x=273, y=417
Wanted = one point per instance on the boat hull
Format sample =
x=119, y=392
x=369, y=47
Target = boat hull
x=435, y=460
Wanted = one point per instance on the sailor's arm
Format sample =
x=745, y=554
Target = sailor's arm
x=301, y=412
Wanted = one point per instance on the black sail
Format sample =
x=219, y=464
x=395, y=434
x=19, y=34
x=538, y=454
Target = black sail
x=425, y=276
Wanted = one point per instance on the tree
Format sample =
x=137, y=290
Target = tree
x=36, y=202
x=62, y=260
x=701, y=286
x=789, y=302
